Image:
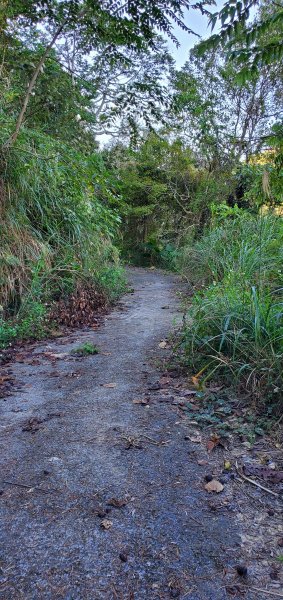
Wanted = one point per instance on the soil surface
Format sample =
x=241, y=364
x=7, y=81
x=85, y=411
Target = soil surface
x=102, y=495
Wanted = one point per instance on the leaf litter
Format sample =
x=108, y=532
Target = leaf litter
x=214, y=486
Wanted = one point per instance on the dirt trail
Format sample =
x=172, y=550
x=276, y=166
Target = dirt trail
x=87, y=444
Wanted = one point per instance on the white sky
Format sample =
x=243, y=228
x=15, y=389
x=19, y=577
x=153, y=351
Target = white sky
x=198, y=23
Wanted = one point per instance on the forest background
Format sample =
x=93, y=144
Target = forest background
x=188, y=178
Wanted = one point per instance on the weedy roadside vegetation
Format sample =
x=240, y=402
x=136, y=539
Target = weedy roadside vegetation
x=86, y=349
x=57, y=230
x=234, y=327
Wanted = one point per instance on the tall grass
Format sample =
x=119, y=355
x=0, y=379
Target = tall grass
x=57, y=227
x=235, y=325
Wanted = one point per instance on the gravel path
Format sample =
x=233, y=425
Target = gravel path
x=113, y=504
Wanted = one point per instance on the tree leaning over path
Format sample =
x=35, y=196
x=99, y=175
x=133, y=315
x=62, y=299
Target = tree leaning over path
x=116, y=23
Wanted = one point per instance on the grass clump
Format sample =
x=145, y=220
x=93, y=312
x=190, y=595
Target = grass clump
x=86, y=349
x=31, y=322
x=234, y=328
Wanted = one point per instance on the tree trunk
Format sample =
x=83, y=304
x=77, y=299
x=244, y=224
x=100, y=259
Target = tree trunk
x=31, y=85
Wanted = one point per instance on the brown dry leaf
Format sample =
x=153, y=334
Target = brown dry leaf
x=165, y=381
x=117, y=502
x=213, y=442
x=109, y=385
x=56, y=333
x=202, y=463
x=214, y=486
x=4, y=378
x=143, y=401
x=266, y=473
x=53, y=355
x=33, y=424
x=106, y=524
x=162, y=344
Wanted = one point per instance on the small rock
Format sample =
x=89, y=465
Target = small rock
x=175, y=593
x=155, y=386
x=280, y=542
x=242, y=570
x=106, y=524
x=274, y=575
x=208, y=478
x=123, y=557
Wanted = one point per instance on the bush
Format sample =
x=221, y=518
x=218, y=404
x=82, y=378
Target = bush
x=57, y=225
x=235, y=326
x=30, y=323
x=242, y=245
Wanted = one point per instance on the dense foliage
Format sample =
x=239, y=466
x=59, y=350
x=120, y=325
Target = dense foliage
x=188, y=175
x=234, y=328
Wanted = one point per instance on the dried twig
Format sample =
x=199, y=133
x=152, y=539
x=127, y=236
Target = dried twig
x=271, y=593
x=255, y=483
x=132, y=442
x=196, y=521
x=62, y=513
x=155, y=442
x=30, y=486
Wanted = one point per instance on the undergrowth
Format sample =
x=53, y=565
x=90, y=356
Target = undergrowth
x=58, y=220
x=86, y=349
x=234, y=327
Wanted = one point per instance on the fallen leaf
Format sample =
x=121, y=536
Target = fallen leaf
x=106, y=524
x=162, y=344
x=165, y=381
x=34, y=362
x=4, y=378
x=33, y=424
x=227, y=465
x=143, y=401
x=216, y=388
x=195, y=439
x=214, y=486
x=56, y=333
x=106, y=353
x=202, y=463
x=53, y=355
x=155, y=386
x=109, y=385
x=117, y=502
x=266, y=473
x=213, y=442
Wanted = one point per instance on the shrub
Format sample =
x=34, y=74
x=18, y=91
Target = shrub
x=57, y=225
x=235, y=326
x=245, y=246
x=86, y=349
x=30, y=323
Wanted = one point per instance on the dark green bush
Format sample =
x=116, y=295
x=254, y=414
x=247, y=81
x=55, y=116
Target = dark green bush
x=234, y=327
